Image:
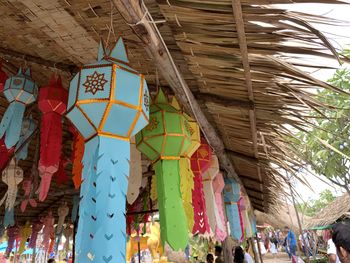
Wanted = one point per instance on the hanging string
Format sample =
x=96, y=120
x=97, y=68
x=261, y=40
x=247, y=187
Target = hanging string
x=111, y=23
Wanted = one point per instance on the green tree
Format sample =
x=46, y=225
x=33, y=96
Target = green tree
x=313, y=206
x=327, y=146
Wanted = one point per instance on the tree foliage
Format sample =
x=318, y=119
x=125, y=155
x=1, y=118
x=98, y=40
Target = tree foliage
x=313, y=206
x=327, y=145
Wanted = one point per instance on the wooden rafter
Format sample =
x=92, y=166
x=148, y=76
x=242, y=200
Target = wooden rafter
x=242, y=41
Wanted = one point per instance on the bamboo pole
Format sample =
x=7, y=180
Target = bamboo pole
x=259, y=249
x=252, y=244
x=299, y=223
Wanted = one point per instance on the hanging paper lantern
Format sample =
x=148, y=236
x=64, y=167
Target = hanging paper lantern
x=68, y=233
x=12, y=233
x=3, y=78
x=27, y=187
x=52, y=103
x=108, y=104
x=200, y=162
x=24, y=234
x=78, y=153
x=210, y=205
x=164, y=140
x=36, y=228
x=187, y=176
x=11, y=176
x=232, y=195
x=20, y=90
x=135, y=177
x=62, y=212
x=76, y=200
x=48, y=230
x=244, y=207
x=220, y=228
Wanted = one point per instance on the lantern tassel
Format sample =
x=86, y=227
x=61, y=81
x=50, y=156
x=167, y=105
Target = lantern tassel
x=174, y=228
x=11, y=123
x=99, y=205
x=87, y=209
x=201, y=224
x=9, y=218
x=186, y=186
x=50, y=150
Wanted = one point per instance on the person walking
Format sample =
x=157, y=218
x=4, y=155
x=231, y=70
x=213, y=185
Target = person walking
x=341, y=239
x=218, y=254
x=291, y=242
x=241, y=256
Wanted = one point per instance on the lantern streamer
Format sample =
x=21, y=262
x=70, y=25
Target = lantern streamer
x=21, y=149
x=25, y=232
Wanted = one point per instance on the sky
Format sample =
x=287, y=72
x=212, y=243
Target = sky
x=340, y=38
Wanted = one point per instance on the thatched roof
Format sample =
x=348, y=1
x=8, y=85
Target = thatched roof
x=241, y=68
x=285, y=215
x=337, y=210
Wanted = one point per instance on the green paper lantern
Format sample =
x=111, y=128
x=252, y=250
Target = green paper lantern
x=164, y=140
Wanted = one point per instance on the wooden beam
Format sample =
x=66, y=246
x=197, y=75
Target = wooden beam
x=224, y=101
x=242, y=41
x=38, y=60
x=138, y=18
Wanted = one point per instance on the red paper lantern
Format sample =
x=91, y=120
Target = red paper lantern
x=52, y=103
x=200, y=162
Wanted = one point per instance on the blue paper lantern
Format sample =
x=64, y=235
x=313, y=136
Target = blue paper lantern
x=20, y=90
x=232, y=194
x=108, y=103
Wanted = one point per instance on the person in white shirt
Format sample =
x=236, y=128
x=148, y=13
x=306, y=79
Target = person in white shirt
x=332, y=252
x=242, y=257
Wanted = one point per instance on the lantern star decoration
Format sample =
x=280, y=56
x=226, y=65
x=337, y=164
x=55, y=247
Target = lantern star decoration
x=232, y=194
x=164, y=140
x=200, y=162
x=220, y=228
x=20, y=90
x=11, y=176
x=187, y=176
x=135, y=177
x=52, y=103
x=107, y=104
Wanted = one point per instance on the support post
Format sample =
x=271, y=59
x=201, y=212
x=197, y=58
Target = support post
x=299, y=223
x=259, y=249
x=256, y=254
